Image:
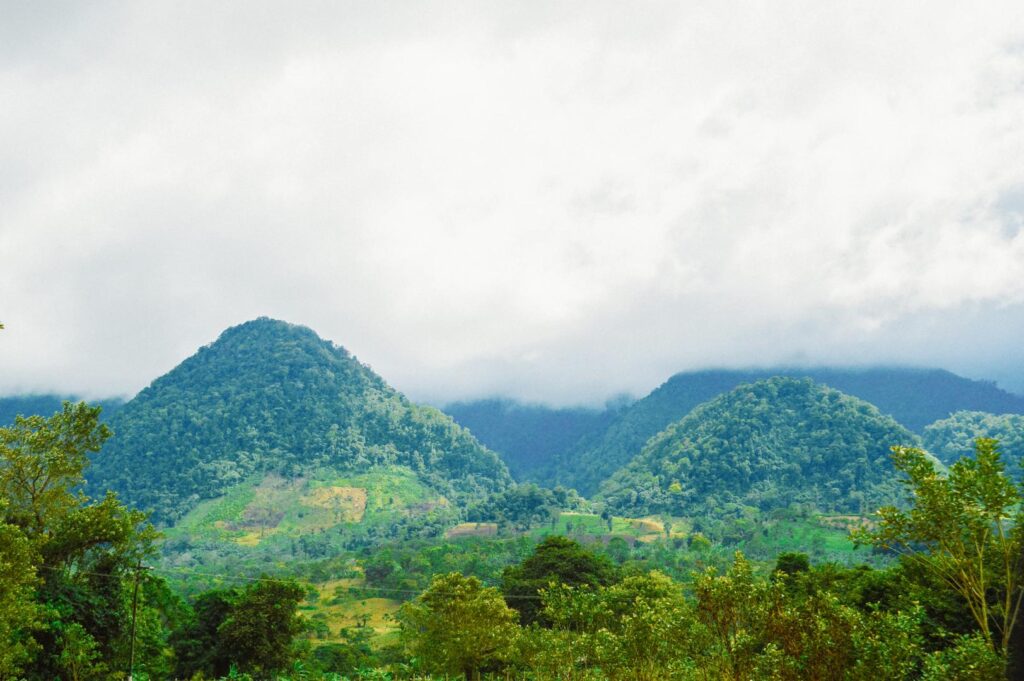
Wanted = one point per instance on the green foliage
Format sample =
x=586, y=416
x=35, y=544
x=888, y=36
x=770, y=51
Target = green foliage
x=43, y=461
x=260, y=627
x=523, y=506
x=67, y=561
x=791, y=563
x=79, y=656
x=19, y=613
x=251, y=631
x=353, y=654
x=593, y=459
x=966, y=527
x=733, y=609
x=74, y=623
x=556, y=560
x=196, y=642
x=970, y=659
x=755, y=628
x=458, y=626
x=765, y=445
x=953, y=438
x=738, y=626
x=640, y=628
x=913, y=397
x=268, y=396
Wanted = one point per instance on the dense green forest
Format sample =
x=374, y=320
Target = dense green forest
x=581, y=447
x=950, y=439
x=765, y=445
x=272, y=397
x=77, y=603
x=528, y=436
x=913, y=397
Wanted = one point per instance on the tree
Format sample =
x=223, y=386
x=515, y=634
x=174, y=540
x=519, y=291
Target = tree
x=733, y=609
x=356, y=651
x=458, y=626
x=618, y=550
x=638, y=629
x=966, y=527
x=971, y=658
x=43, y=460
x=18, y=612
x=792, y=562
x=557, y=560
x=258, y=632
x=81, y=550
x=196, y=644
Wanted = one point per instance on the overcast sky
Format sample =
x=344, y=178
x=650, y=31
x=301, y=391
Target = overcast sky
x=554, y=201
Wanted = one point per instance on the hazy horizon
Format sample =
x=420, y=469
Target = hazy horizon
x=441, y=398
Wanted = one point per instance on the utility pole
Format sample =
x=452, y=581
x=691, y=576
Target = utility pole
x=135, y=606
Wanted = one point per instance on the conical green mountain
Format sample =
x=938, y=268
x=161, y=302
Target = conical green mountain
x=273, y=398
x=766, y=445
x=913, y=397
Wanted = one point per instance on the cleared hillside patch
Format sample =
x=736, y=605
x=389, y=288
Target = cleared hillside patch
x=274, y=518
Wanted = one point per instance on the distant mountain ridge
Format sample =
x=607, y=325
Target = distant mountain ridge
x=47, y=404
x=766, y=445
x=914, y=397
x=527, y=436
x=268, y=396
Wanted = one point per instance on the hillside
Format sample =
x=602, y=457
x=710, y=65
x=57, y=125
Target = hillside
x=272, y=398
x=767, y=444
x=528, y=436
x=914, y=397
x=953, y=437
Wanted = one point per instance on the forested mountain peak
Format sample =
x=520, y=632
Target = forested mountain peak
x=766, y=444
x=268, y=396
x=914, y=397
x=279, y=350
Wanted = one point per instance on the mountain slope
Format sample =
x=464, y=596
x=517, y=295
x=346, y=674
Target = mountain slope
x=914, y=397
x=953, y=437
x=527, y=436
x=272, y=397
x=765, y=444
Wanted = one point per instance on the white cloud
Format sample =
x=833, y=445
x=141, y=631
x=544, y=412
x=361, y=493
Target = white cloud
x=557, y=201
